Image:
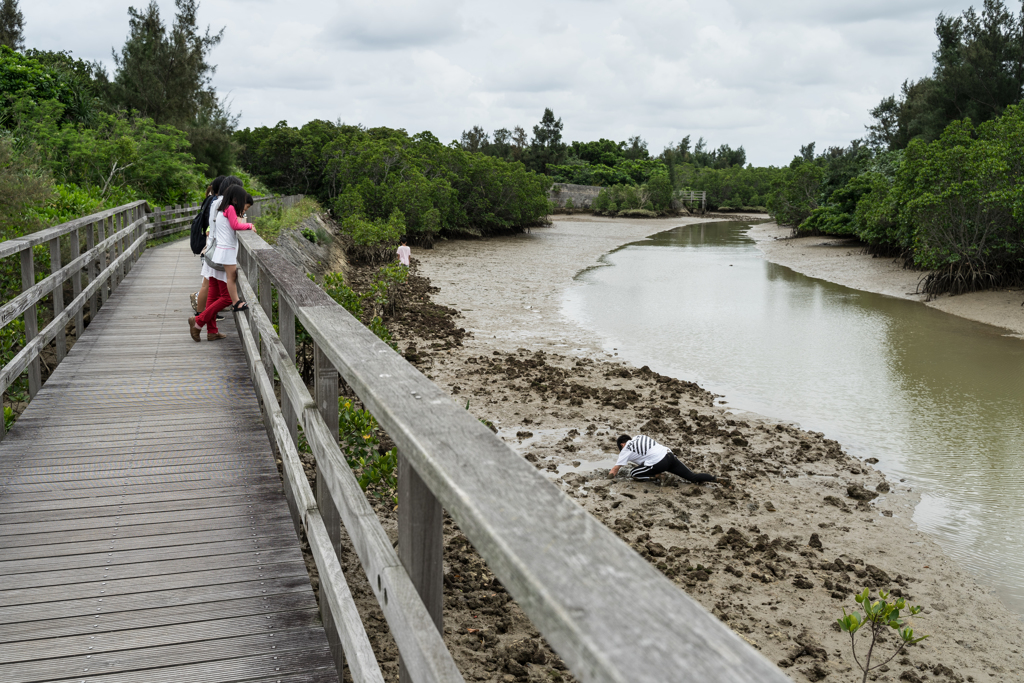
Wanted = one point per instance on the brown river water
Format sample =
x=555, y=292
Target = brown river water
x=937, y=399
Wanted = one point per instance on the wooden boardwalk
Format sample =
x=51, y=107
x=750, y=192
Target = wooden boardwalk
x=143, y=533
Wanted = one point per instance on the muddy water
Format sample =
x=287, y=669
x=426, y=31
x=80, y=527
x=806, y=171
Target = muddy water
x=939, y=400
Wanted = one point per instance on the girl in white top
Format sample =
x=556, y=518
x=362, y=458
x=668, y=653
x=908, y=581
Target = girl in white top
x=219, y=186
x=234, y=203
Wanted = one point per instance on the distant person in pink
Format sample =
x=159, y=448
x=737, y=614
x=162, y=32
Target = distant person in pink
x=403, y=252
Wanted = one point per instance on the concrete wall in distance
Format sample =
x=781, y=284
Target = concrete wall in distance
x=583, y=196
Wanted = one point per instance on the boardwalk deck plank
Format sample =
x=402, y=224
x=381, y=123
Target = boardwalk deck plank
x=143, y=532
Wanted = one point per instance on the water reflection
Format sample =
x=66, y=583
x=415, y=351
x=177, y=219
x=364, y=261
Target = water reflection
x=937, y=399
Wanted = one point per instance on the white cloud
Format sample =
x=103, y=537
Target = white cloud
x=769, y=76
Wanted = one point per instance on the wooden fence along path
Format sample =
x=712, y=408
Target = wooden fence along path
x=144, y=536
x=143, y=533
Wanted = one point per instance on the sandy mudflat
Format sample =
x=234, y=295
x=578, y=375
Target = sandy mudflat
x=842, y=261
x=777, y=554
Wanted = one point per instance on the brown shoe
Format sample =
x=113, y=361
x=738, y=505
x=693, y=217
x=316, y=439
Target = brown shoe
x=193, y=330
x=215, y=336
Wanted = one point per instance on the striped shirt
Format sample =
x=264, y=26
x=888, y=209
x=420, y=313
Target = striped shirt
x=642, y=450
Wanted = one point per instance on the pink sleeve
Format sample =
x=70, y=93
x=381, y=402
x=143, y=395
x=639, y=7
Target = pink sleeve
x=233, y=220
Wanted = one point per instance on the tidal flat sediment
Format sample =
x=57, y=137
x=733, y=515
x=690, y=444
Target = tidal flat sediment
x=776, y=556
x=845, y=262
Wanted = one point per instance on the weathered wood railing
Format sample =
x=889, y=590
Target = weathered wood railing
x=171, y=220
x=101, y=249
x=605, y=610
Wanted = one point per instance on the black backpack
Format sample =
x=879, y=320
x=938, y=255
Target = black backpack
x=200, y=224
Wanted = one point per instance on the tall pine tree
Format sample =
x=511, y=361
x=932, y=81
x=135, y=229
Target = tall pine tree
x=12, y=25
x=167, y=75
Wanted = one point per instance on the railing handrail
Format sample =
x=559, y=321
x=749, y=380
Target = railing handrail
x=13, y=246
x=566, y=569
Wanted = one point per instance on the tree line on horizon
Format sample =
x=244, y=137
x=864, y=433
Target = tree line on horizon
x=935, y=179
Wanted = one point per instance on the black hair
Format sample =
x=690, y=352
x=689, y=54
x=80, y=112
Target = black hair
x=217, y=182
x=230, y=181
x=403, y=240
x=622, y=440
x=249, y=200
x=234, y=196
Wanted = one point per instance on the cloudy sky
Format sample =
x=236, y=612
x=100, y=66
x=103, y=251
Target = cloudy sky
x=770, y=76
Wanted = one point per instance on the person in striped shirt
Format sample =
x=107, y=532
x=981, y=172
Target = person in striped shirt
x=650, y=459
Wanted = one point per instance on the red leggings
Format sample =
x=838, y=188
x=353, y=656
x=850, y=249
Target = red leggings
x=217, y=300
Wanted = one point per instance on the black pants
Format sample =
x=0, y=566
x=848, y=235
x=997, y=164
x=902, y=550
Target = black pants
x=669, y=464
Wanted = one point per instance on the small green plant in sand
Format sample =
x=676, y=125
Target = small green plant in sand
x=485, y=423
x=879, y=616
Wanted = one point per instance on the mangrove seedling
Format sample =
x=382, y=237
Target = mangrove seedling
x=879, y=615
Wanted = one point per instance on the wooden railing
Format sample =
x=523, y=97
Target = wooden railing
x=693, y=196
x=101, y=249
x=170, y=220
x=604, y=609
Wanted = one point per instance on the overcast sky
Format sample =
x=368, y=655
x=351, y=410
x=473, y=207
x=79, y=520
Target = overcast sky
x=770, y=76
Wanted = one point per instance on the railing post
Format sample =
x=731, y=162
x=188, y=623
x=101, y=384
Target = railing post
x=286, y=332
x=76, y=281
x=420, y=543
x=61, y=341
x=104, y=258
x=119, y=245
x=28, y=278
x=326, y=390
x=91, y=269
x=265, y=293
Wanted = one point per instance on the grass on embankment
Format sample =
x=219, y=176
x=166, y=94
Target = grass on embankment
x=274, y=221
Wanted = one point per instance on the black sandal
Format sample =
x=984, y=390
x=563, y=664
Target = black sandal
x=239, y=306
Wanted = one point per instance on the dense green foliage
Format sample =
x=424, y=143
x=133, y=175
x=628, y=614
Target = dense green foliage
x=978, y=73
x=379, y=182
x=80, y=142
x=733, y=187
x=119, y=153
x=954, y=206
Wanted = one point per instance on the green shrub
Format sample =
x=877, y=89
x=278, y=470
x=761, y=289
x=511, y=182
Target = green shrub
x=334, y=285
x=376, y=472
x=638, y=213
x=384, y=293
x=374, y=239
